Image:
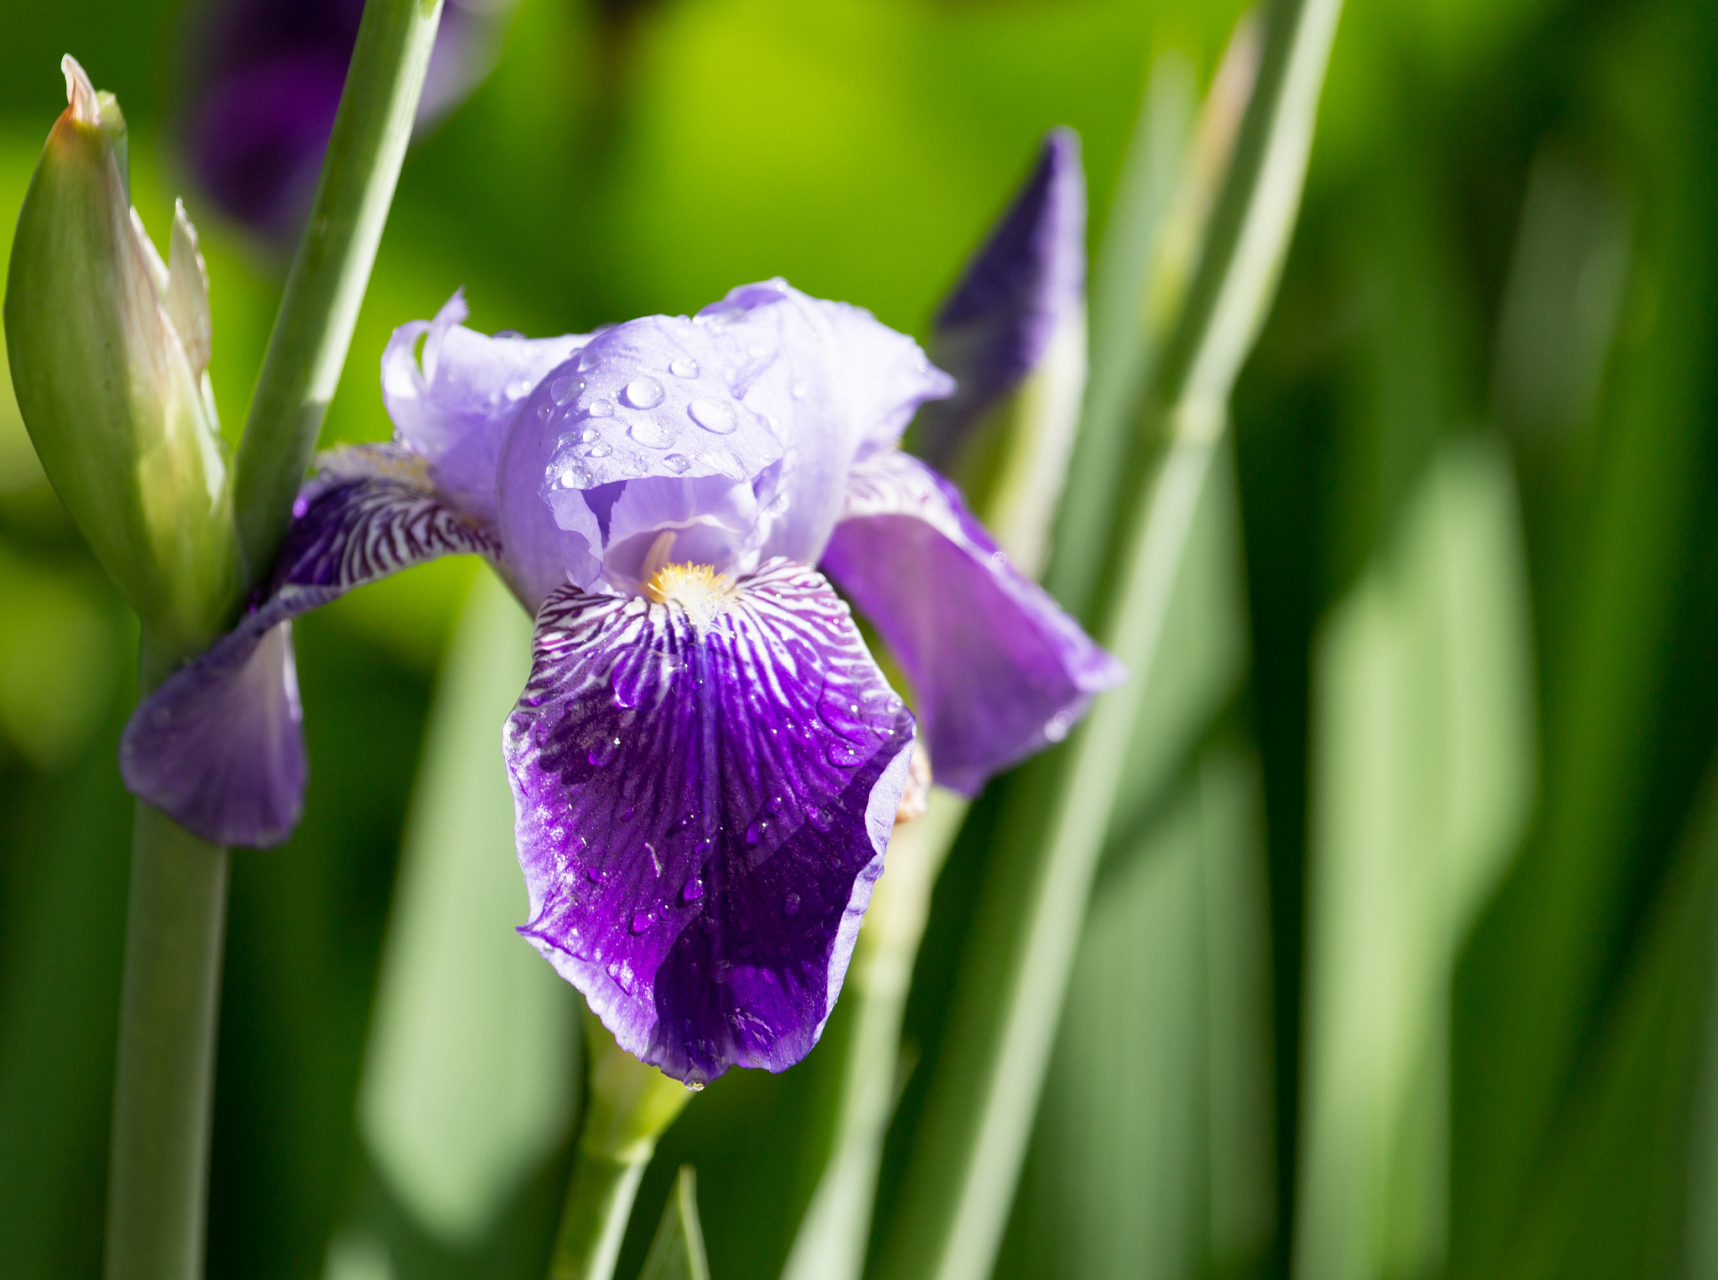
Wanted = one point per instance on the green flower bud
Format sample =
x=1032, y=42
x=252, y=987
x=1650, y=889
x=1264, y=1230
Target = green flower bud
x=109, y=349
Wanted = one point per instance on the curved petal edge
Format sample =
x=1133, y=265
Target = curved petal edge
x=703, y=799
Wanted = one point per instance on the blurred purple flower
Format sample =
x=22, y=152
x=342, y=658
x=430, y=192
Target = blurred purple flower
x=706, y=761
x=270, y=74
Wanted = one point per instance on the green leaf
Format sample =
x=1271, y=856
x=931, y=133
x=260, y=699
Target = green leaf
x=1423, y=780
x=471, y=1068
x=677, y=1252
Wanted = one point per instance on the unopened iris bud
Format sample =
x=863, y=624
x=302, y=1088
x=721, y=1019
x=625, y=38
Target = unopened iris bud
x=109, y=350
x=1012, y=331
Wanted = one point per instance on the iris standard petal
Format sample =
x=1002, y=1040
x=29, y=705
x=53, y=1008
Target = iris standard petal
x=455, y=407
x=998, y=668
x=218, y=745
x=704, y=788
x=836, y=382
x=1025, y=285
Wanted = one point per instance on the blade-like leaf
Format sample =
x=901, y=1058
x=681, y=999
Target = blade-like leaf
x=677, y=1252
x=1423, y=775
x=469, y=1079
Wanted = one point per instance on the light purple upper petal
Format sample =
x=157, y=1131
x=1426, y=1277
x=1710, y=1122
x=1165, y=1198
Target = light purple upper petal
x=732, y=430
x=1026, y=280
x=218, y=745
x=702, y=809
x=454, y=408
x=999, y=670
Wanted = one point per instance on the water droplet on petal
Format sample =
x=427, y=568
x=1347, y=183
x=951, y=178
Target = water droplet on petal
x=509, y=335
x=791, y=906
x=594, y=874
x=603, y=752
x=544, y=410
x=650, y=433
x=600, y=409
x=799, y=390
x=598, y=450
x=713, y=415
x=574, y=478
x=566, y=388
x=677, y=464
x=625, y=815
x=684, y=368
x=693, y=891
x=755, y=832
x=587, y=435
x=643, y=393
x=822, y=819
x=642, y=920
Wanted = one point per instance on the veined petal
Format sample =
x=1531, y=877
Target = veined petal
x=218, y=745
x=704, y=789
x=998, y=668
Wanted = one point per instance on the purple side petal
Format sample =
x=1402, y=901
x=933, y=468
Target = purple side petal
x=1027, y=280
x=702, y=810
x=218, y=745
x=999, y=669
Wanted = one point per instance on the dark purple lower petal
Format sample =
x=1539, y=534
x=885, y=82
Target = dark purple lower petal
x=998, y=668
x=702, y=809
x=218, y=745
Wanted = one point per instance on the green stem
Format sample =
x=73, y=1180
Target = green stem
x=627, y=1107
x=985, y=1084
x=593, y=1223
x=313, y=329
x=164, y=1078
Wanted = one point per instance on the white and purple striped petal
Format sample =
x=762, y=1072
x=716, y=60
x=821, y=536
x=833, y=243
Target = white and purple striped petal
x=998, y=669
x=704, y=789
x=218, y=746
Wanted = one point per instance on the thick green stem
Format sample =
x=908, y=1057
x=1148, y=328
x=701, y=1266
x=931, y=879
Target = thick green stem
x=985, y=1085
x=313, y=328
x=164, y=1079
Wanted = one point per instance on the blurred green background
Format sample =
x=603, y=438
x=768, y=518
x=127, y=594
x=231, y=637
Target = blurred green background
x=1404, y=964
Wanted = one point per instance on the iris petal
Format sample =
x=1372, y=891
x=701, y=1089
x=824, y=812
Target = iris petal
x=218, y=745
x=702, y=807
x=998, y=668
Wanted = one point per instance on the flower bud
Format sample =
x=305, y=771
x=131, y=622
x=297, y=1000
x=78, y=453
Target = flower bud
x=1013, y=333
x=109, y=348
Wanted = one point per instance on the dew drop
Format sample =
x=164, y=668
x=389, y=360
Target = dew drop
x=603, y=752
x=509, y=335
x=791, y=905
x=587, y=435
x=677, y=464
x=518, y=388
x=574, y=478
x=598, y=450
x=693, y=891
x=650, y=433
x=594, y=874
x=799, y=390
x=684, y=368
x=625, y=815
x=696, y=1086
x=601, y=409
x=643, y=393
x=566, y=388
x=755, y=832
x=544, y=410
x=822, y=819
x=713, y=415
x=642, y=920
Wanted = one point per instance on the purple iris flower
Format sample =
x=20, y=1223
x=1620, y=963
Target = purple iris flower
x=269, y=78
x=706, y=761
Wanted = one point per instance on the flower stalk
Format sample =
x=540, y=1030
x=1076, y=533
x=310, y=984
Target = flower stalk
x=628, y=1106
